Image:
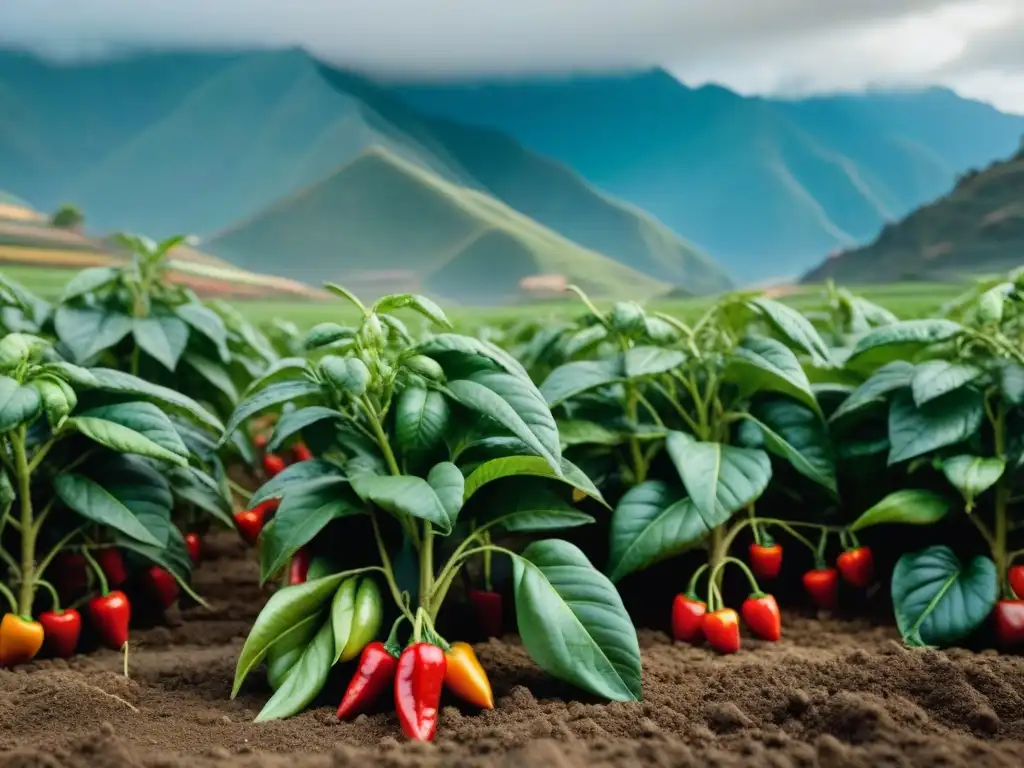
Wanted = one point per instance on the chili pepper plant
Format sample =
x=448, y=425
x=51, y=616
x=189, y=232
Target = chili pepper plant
x=84, y=455
x=418, y=433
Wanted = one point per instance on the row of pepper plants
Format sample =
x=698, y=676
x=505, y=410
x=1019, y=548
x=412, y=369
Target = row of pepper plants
x=112, y=403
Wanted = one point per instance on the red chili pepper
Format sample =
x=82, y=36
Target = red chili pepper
x=761, y=613
x=1010, y=623
x=722, y=630
x=299, y=568
x=488, y=611
x=419, y=679
x=194, y=547
x=250, y=521
x=822, y=584
x=112, y=563
x=301, y=452
x=857, y=566
x=162, y=586
x=687, y=618
x=110, y=614
x=61, y=632
x=766, y=561
x=1016, y=578
x=273, y=464
x=261, y=441
x=70, y=573
x=375, y=672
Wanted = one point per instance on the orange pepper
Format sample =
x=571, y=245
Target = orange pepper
x=20, y=640
x=466, y=678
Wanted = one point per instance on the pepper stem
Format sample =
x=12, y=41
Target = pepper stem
x=104, y=586
x=691, y=588
x=53, y=595
x=819, y=551
x=743, y=566
x=26, y=593
x=10, y=597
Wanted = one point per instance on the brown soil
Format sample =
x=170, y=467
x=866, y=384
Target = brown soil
x=831, y=695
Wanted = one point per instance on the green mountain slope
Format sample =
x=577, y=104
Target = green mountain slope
x=380, y=215
x=977, y=228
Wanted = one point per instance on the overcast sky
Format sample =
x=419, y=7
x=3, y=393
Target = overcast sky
x=754, y=46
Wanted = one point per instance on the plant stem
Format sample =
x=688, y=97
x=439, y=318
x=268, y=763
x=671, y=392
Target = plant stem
x=385, y=561
x=426, y=563
x=236, y=488
x=719, y=549
x=134, y=364
x=41, y=454
x=104, y=586
x=45, y=562
x=639, y=465
x=10, y=596
x=28, y=534
x=54, y=597
x=1002, y=501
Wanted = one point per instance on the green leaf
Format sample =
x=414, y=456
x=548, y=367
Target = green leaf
x=93, y=502
x=304, y=512
x=516, y=405
x=78, y=377
x=908, y=506
x=468, y=346
x=889, y=378
x=324, y=334
x=650, y=361
x=796, y=434
x=421, y=418
x=535, y=466
x=285, y=609
x=346, y=374
x=935, y=378
x=85, y=332
x=652, y=522
x=938, y=601
x=944, y=421
x=413, y=301
x=209, y=323
x=123, y=383
x=173, y=558
x=573, y=623
x=794, y=327
x=283, y=655
x=1010, y=377
x=304, y=681
x=973, y=475
x=294, y=476
x=721, y=479
x=122, y=439
x=293, y=422
x=583, y=432
x=146, y=419
x=404, y=495
x=763, y=364
x=274, y=395
x=193, y=486
x=214, y=374
x=900, y=340
x=448, y=483
x=162, y=337
x=18, y=405
x=285, y=369
x=574, y=378
x=87, y=281
x=534, y=507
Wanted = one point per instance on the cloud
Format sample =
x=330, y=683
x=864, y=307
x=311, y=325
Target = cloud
x=752, y=45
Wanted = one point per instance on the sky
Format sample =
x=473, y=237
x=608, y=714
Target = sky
x=790, y=47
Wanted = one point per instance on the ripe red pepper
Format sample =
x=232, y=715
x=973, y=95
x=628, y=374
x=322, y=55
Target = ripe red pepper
x=766, y=561
x=722, y=630
x=299, y=568
x=1010, y=623
x=162, y=586
x=419, y=679
x=250, y=521
x=857, y=566
x=112, y=563
x=488, y=611
x=194, y=547
x=687, y=618
x=110, y=614
x=375, y=672
x=273, y=464
x=301, y=452
x=61, y=632
x=1016, y=578
x=70, y=573
x=761, y=613
x=822, y=584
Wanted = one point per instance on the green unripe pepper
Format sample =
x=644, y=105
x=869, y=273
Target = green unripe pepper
x=356, y=612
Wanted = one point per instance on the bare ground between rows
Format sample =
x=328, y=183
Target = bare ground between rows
x=832, y=695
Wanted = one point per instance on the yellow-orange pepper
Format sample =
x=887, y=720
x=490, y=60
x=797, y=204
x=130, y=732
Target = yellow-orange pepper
x=20, y=640
x=466, y=678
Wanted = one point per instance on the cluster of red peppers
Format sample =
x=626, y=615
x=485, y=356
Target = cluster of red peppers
x=1009, y=614
x=250, y=522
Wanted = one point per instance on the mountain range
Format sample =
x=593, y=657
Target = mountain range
x=630, y=184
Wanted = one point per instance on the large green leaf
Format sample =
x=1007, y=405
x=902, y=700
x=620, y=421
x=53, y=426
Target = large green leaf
x=973, y=475
x=793, y=326
x=303, y=513
x=796, y=434
x=346, y=374
x=939, y=601
x=900, y=340
x=908, y=506
x=93, y=502
x=650, y=361
x=193, y=486
x=293, y=422
x=162, y=337
x=915, y=431
x=534, y=506
x=324, y=334
x=146, y=419
x=284, y=369
x=87, y=281
x=214, y=374
x=209, y=323
x=18, y=405
x=573, y=623
x=404, y=495
x=305, y=680
x=421, y=419
x=124, y=383
x=761, y=364
x=415, y=302
x=721, y=479
x=535, y=466
x=448, y=343
x=122, y=439
x=274, y=395
x=295, y=476
x=889, y=378
x=1009, y=374
x=935, y=378
x=86, y=332
x=448, y=483
x=574, y=378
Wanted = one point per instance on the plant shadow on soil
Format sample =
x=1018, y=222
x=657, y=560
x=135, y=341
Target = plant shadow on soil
x=832, y=694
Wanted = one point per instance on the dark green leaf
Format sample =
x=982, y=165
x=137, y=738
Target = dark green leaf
x=935, y=378
x=18, y=405
x=720, y=479
x=793, y=326
x=889, y=378
x=898, y=341
x=763, y=364
x=469, y=346
x=93, y=502
x=294, y=476
x=346, y=374
x=650, y=361
x=947, y=420
x=274, y=395
x=1010, y=377
x=421, y=419
x=124, y=383
x=295, y=421
x=304, y=680
x=86, y=332
x=572, y=379
x=534, y=466
x=324, y=334
x=194, y=486
x=285, y=369
x=908, y=506
x=404, y=495
x=209, y=323
x=146, y=419
x=796, y=434
x=162, y=337
x=448, y=483
x=214, y=373
x=535, y=506
x=122, y=439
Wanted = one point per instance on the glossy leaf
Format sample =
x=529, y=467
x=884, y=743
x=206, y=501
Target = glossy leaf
x=935, y=378
x=93, y=502
x=122, y=439
x=793, y=326
x=304, y=680
x=448, y=483
x=86, y=332
x=346, y=374
x=973, y=475
x=421, y=418
x=908, y=506
x=196, y=487
x=573, y=623
x=896, y=341
x=915, y=431
x=404, y=495
x=325, y=334
x=467, y=345
x=887, y=379
x=574, y=378
x=535, y=506
x=123, y=383
x=162, y=337
x=720, y=479
x=207, y=322
x=763, y=364
x=146, y=419
x=534, y=466
x=18, y=404
x=795, y=434
x=294, y=422
x=274, y=395
x=650, y=361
